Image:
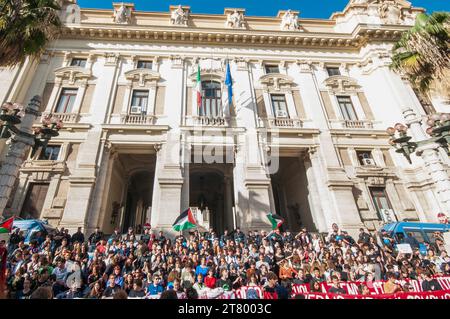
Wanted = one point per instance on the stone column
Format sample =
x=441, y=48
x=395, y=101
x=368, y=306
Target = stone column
x=315, y=202
x=438, y=173
x=228, y=218
x=20, y=145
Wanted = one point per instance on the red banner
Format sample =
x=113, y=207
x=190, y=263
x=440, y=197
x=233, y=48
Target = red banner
x=403, y=295
x=376, y=288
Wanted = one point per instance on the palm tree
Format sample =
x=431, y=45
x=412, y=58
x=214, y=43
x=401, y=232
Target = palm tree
x=423, y=52
x=26, y=27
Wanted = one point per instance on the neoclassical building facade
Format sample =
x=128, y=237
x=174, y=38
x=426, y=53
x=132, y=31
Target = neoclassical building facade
x=303, y=134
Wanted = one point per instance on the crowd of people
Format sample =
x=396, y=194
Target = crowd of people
x=147, y=265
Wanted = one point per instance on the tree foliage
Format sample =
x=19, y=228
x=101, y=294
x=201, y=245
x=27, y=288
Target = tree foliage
x=26, y=28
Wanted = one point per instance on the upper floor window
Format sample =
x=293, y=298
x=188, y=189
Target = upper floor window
x=272, y=69
x=279, y=105
x=333, y=71
x=144, y=64
x=365, y=158
x=50, y=153
x=66, y=100
x=78, y=62
x=139, y=102
x=380, y=200
x=347, y=109
x=212, y=99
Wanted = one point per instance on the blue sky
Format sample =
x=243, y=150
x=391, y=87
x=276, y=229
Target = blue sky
x=308, y=8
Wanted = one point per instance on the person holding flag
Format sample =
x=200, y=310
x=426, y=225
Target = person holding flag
x=185, y=221
x=276, y=221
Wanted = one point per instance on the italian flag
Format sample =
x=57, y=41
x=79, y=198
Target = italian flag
x=275, y=220
x=185, y=221
x=6, y=226
x=198, y=88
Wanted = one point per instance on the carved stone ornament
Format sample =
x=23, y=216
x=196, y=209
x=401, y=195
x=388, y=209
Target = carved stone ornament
x=341, y=84
x=73, y=74
x=122, y=13
x=390, y=12
x=289, y=21
x=179, y=16
x=276, y=81
x=235, y=20
x=142, y=76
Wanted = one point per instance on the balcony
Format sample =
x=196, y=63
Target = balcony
x=357, y=124
x=209, y=121
x=285, y=122
x=137, y=119
x=65, y=117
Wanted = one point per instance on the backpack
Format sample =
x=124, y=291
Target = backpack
x=252, y=294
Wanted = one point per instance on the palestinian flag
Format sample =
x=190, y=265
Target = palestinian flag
x=275, y=220
x=6, y=226
x=198, y=88
x=185, y=221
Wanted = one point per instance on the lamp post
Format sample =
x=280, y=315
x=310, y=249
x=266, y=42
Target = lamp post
x=437, y=135
x=16, y=125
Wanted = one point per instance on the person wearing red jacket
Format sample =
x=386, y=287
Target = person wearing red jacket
x=210, y=280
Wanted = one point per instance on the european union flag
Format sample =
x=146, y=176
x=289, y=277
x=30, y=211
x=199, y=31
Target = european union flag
x=229, y=84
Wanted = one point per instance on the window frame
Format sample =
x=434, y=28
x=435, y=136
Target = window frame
x=279, y=102
x=215, y=100
x=372, y=191
x=49, y=159
x=267, y=68
x=67, y=102
x=145, y=62
x=83, y=60
x=329, y=68
x=343, y=107
x=360, y=159
x=143, y=108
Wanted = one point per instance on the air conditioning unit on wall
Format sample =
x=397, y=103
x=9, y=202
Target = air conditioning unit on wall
x=136, y=110
x=368, y=161
x=388, y=216
x=281, y=114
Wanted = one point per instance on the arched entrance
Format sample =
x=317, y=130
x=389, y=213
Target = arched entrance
x=211, y=190
x=138, y=200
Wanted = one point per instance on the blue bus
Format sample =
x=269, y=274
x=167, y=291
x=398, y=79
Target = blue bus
x=422, y=232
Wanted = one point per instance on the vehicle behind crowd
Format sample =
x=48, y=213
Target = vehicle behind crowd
x=252, y=265
x=31, y=228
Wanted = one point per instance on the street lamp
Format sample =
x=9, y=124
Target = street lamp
x=11, y=115
x=438, y=130
x=50, y=128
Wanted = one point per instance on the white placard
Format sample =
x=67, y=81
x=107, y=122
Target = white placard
x=404, y=249
x=446, y=236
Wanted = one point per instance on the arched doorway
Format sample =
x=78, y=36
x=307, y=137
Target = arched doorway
x=211, y=190
x=138, y=201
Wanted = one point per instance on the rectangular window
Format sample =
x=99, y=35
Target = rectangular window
x=139, y=102
x=365, y=158
x=78, y=62
x=34, y=201
x=279, y=105
x=272, y=69
x=66, y=100
x=380, y=199
x=51, y=153
x=333, y=71
x=211, y=99
x=347, y=109
x=144, y=64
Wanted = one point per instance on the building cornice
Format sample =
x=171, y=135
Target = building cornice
x=361, y=35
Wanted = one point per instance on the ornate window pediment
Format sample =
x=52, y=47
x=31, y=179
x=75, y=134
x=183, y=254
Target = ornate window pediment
x=73, y=74
x=142, y=76
x=276, y=82
x=208, y=75
x=341, y=84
